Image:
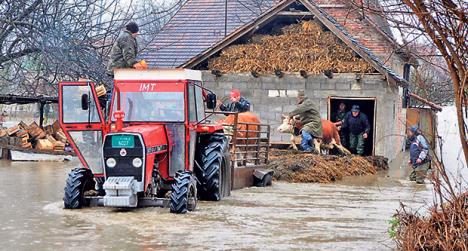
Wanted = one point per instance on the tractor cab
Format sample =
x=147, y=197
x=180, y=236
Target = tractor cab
x=149, y=145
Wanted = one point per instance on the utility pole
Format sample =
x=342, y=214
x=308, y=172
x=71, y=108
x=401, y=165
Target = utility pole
x=225, y=17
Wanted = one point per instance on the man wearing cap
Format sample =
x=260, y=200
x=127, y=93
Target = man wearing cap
x=337, y=118
x=358, y=127
x=238, y=103
x=420, y=159
x=309, y=116
x=124, y=51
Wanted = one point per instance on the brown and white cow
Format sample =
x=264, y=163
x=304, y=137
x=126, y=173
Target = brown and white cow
x=248, y=125
x=330, y=140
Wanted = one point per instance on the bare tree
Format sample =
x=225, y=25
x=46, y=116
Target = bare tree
x=430, y=79
x=44, y=41
x=442, y=24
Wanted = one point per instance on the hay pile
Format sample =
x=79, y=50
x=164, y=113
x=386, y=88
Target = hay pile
x=305, y=46
x=444, y=228
x=295, y=166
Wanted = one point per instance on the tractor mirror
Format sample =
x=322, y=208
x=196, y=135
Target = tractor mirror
x=211, y=101
x=85, y=102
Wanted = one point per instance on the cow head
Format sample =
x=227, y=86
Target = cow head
x=287, y=125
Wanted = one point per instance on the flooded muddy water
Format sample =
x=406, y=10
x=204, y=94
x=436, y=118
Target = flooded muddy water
x=350, y=215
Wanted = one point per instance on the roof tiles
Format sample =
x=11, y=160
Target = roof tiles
x=198, y=25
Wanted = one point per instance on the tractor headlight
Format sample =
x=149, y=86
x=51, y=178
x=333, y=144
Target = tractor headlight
x=137, y=162
x=111, y=162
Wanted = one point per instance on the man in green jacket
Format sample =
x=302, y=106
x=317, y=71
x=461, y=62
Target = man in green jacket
x=309, y=115
x=124, y=51
x=338, y=118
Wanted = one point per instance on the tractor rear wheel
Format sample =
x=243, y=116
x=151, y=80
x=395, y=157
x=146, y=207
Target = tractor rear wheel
x=213, y=170
x=79, y=181
x=184, y=194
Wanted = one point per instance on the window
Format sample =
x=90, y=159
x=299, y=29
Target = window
x=152, y=106
x=192, y=105
x=200, y=103
x=282, y=93
x=71, y=105
x=89, y=143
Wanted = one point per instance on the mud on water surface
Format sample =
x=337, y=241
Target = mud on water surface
x=296, y=166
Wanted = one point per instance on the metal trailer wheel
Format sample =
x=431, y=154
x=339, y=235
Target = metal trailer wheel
x=79, y=181
x=265, y=181
x=184, y=194
x=263, y=177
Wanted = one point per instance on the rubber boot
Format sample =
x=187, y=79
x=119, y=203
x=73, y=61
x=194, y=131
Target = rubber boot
x=412, y=176
x=420, y=173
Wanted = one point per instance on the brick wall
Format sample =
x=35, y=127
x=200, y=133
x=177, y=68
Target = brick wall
x=367, y=33
x=260, y=92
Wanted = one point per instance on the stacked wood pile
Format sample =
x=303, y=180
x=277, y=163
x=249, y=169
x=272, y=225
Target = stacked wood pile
x=31, y=136
x=299, y=47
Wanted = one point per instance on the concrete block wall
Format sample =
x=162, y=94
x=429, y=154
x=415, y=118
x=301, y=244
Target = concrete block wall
x=318, y=88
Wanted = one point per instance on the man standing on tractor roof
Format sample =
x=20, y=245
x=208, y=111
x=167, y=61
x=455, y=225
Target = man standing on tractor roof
x=311, y=122
x=123, y=55
x=358, y=127
x=238, y=103
x=420, y=160
x=124, y=51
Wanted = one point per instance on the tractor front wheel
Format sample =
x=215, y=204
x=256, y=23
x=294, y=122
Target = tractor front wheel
x=79, y=181
x=184, y=194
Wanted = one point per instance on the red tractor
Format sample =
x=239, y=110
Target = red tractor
x=150, y=146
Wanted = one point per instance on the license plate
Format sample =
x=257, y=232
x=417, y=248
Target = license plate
x=123, y=141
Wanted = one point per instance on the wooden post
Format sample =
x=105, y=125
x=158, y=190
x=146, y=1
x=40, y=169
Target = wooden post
x=41, y=114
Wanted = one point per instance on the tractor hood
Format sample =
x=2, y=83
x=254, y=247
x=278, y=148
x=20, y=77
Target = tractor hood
x=153, y=135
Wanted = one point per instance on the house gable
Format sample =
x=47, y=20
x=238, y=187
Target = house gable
x=310, y=9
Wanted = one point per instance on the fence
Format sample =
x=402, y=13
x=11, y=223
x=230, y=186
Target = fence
x=249, y=142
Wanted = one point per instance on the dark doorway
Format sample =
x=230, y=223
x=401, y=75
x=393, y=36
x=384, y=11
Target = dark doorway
x=367, y=106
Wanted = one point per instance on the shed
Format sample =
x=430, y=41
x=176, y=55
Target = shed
x=202, y=29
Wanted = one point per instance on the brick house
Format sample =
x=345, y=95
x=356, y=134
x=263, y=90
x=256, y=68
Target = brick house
x=201, y=29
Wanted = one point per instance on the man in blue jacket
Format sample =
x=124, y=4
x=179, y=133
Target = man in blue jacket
x=238, y=103
x=358, y=127
x=420, y=160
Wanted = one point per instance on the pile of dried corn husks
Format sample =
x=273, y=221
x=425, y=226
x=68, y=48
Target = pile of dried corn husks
x=295, y=166
x=305, y=46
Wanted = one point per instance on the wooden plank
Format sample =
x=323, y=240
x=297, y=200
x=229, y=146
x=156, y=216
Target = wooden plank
x=295, y=13
x=18, y=148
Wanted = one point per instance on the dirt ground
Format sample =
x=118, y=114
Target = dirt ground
x=296, y=166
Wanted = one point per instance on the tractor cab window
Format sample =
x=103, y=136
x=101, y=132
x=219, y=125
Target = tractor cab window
x=200, y=103
x=152, y=106
x=192, y=105
x=72, y=109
